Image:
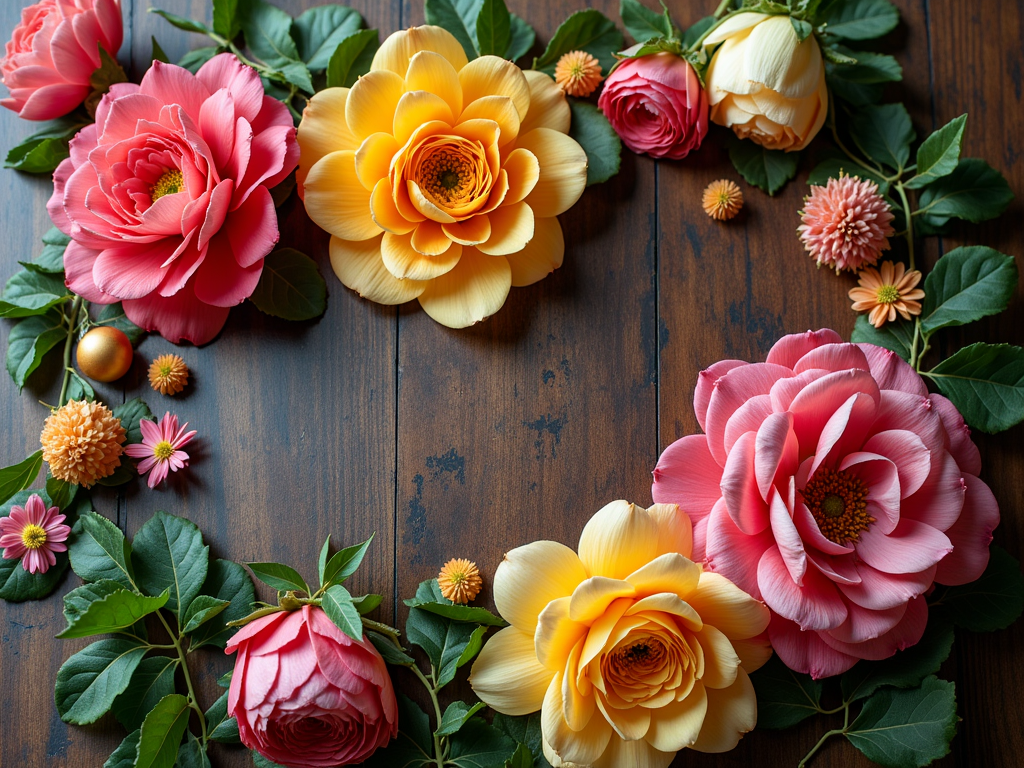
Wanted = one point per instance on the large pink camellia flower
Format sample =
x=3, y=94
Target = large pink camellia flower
x=830, y=484
x=167, y=197
x=54, y=51
x=306, y=695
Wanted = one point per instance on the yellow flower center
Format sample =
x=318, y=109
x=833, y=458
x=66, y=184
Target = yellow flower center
x=163, y=450
x=33, y=536
x=445, y=176
x=838, y=502
x=169, y=184
x=887, y=294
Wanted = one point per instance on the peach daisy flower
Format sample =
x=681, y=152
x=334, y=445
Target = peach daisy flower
x=33, y=533
x=846, y=223
x=722, y=200
x=888, y=291
x=160, y=449
x=578, y=73
x=168, y=374
x=460, y=581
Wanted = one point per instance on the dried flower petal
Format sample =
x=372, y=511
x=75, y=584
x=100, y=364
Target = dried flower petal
x=578, y=73
x=168, y=374
x=722, y=199
x=460, y=580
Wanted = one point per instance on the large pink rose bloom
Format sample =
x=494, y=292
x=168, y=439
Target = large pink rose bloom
x=53, y=53
x=831, y=485
x=167, y=197
x=306, y=695
x=656, y=105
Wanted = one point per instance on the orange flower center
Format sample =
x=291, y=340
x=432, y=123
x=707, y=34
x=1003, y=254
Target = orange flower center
x=163, y=450
x=838, y=502
x=887, y=294
x=33, y=536
x=169, y=184
x=450, y=171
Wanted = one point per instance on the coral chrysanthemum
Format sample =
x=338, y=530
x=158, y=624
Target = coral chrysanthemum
x=846, y=223
x=33, y=533
x=168, y=374
x=460, y=580
x=439, y=178
x=887, y=291
x=722, y=200
x=82, y=442
x=578, y=73
x=160, y=449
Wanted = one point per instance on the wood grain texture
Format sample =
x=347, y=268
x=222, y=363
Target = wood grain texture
x=468, y=443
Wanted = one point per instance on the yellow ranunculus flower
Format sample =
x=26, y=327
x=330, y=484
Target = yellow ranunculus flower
x=440, y=179
x=764, y=83
x=630, y=650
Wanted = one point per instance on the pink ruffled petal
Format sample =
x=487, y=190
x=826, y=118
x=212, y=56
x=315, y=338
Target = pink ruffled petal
x=739, y=488
x=881, y=476
x=911, y=456
x=902, y=410
x=815, y=404
x=814, y=605
x=776, y=452
x=169, y=84
x=787, y=538
x=706, y=381
x=845, y=430
x=220, y=282
x=906, y=633
x=892, y=372
x=805, y=651
x=862, y=625
x=940, y=499
x=226, y=71
x=788, y=350
x=731, y=391
x=687, y=475
x=832, y=357
x=252, y=229
x=912, y=547
x=959, y=434
x=747, y=418
x=970, y=535
x=733, y=553
x=178, y=317
x=133, y=271
x=879, y=591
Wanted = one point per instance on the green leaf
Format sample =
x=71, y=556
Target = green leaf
x=449, y=644
x=414, y=745
x=162, y=731
x=225, y=580
x=267, y=32
x=697, y=30
x=123, y=474
x=897, y=336
x=389, y=651
x=967, y=284
x=43, y=151
x=221, y=727
x=153, y=679
x=130, y=414
x=224, y=681
x=80, y=389
x=344, y=563
x=281, y=577
x=168, y=553
x=51, y=258
x=318, y=31
x=869, y=69
x=784, y=697
x=521, y=758
x=17, y=584
x=985, y=383
x=201, y=610
x=429, y=598
x=291, y=286
x=526, y=730
x=764, y=168
x=158, y=53
x=89, y=681
x=259, y=761
x=61, y=492
x=337, y=604
x=642, y=23
x=352, y=58
x=904, y=670
x=802, y=28
x=367, y=603
x=939, y=153
x=114, y=316
x=456, y=715
x=124, y=755
x=884, y=133
x=104, y=608
x=32, y=293
x=904, y=729
x=493, y=28
x=992, y=602
x=225, y=18
x=479, y=744
x=834, y=166
x=30, y=339
x=99, y=550
x=325, y=552
x=521, y=39
x=974, y=191
x=594, y=133
x=458, y=17
x=589, y=31
x=861, y=19
x=19, y=476
x=192, y=754
x=194, y=59
x=181, y=22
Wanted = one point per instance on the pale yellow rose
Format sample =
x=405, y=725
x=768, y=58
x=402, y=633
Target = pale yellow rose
x=766, y=84
x=439, y=178
x=629, y=649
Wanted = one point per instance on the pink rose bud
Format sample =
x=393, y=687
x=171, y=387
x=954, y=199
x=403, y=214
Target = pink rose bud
x=306, y=695
x=656, y=105
x=54, y=51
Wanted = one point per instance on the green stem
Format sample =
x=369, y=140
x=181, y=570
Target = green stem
x=193, y=701
x=821, y=742
x=915, y=355
x=910, y=222
x=428, y=684
x=839, y=142
x=722, y=8
x=76, y=306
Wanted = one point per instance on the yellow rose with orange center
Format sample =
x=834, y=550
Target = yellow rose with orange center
x=440, y=178
x=629, y=649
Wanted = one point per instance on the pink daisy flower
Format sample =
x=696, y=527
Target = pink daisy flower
x=160, y=449
x=847, y=224
x=34, y=533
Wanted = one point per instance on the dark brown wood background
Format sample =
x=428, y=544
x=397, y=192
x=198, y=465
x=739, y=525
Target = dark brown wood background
x=468, y=443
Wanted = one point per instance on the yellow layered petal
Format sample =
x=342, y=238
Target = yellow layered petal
x=523, y=171
x=753, y=653
x=670, y=572
x=359, y=266
x=728, y=608
x=398, y=50
x=732, y=712
x=430, y=239
x=372, y=102
x=417, y=108
x=403, y=261
x=557, y=634
x=336, y=201
x=323, y=130
x=670, y=603
x=507, y=676
x=619, y=539
x=473, y=291
x=675, y=531
x=385, y=214
x=721, y=662
x=630, y=723
x=426, y=206
x=592, y=598
x=563, y=170
x=548, y=105
x=581, y=747
x=501, y=110
x=511, y=229
x=471, y=231
x=634, y=754
x=373, y=158
x=679, y=723
x=530, y=577
x=494, y=76
x=432, y=72
x=541, y=256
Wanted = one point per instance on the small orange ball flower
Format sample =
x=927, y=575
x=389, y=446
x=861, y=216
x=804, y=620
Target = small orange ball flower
x=168, y=374
x=886, y=292
x=722, y=200
x=82, y=442
x=460, y=581
x=578, y=73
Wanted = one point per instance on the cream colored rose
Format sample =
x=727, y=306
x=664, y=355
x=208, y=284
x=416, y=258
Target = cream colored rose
x=629, y=649
x=764, y=83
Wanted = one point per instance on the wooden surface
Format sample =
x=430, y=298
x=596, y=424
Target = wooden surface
x=468, y=443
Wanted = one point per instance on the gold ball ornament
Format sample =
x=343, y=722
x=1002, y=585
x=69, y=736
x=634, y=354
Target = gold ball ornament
x=104, y=354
